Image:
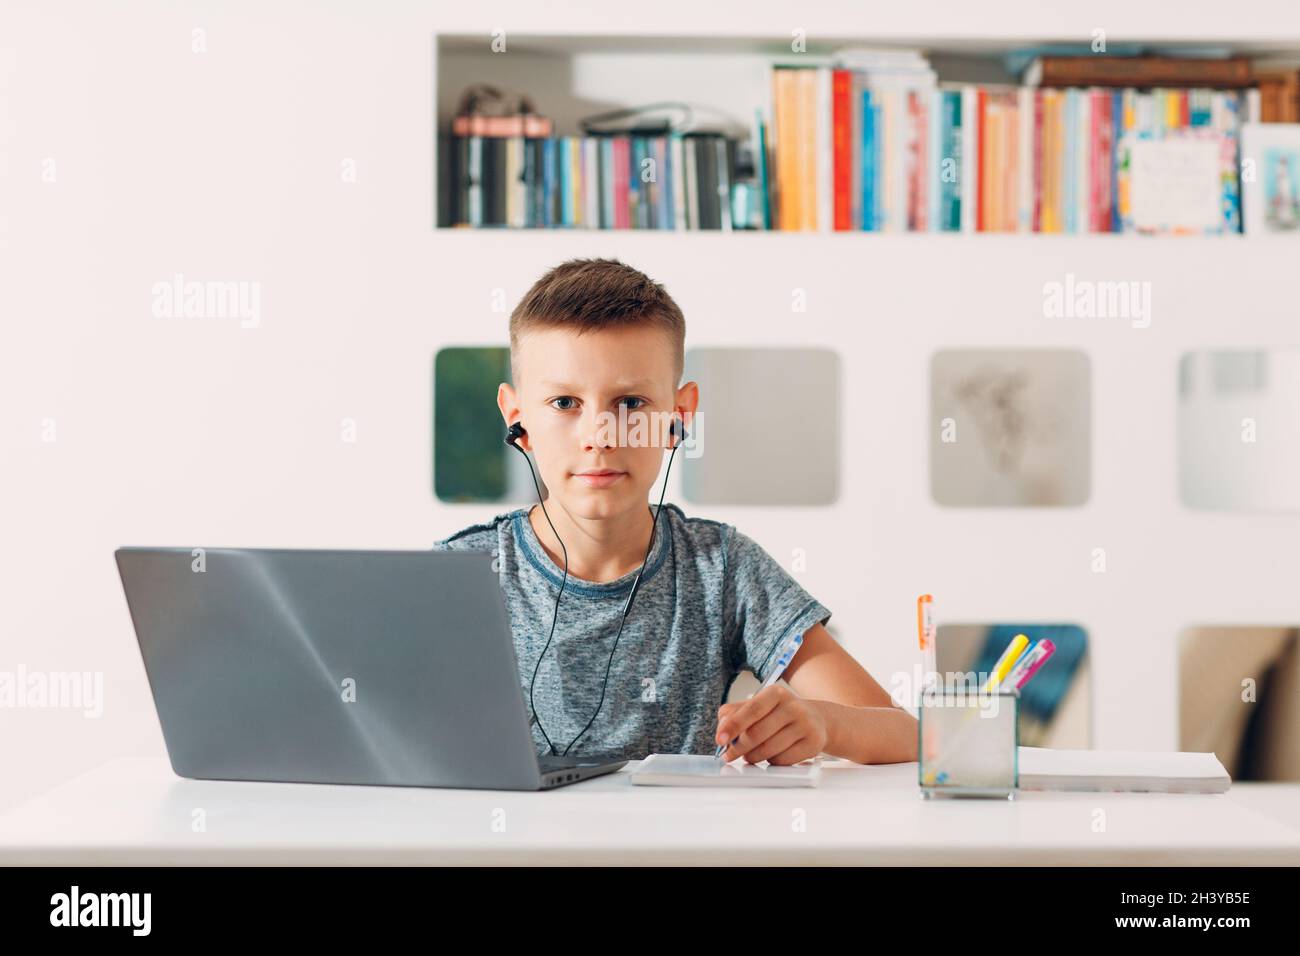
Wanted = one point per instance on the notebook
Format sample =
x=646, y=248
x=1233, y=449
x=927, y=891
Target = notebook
x=691, y=770
x=1042, y=768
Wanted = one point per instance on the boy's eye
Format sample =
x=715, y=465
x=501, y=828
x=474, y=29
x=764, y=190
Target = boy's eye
x=632, y=399
x=563, y=403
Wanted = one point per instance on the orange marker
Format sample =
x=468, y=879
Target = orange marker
x=926, y=636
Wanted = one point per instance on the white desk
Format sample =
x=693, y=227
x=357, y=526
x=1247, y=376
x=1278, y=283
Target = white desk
x=136, y=812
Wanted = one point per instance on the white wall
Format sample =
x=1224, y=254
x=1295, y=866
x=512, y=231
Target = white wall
x=226, y=165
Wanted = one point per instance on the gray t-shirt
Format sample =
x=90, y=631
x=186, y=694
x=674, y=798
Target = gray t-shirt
x=711, y=604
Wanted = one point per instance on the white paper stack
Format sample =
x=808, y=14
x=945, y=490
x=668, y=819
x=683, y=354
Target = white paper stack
x=1130, y=770
x=690, y=770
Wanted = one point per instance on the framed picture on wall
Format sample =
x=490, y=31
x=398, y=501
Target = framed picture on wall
x=1270, y=178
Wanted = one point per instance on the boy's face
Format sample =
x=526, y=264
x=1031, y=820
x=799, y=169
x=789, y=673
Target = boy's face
x=570, y=393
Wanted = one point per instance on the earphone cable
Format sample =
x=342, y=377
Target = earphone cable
x=628, y=606
x=555, y=615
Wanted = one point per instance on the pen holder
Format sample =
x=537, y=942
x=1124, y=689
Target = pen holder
x=969, y=743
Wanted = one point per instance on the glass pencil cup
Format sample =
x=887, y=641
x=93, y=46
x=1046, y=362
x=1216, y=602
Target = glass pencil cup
x=968, y=743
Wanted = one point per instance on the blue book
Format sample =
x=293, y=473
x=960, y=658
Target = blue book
x=647, y=197
x=1117, y=128
x=548, y=182
x=668, y=176
x=566, y=181
x=1235, y=105
x=648, y=187
x=878, y=163
x=868, y=163
x=950, y=148
x=762, y=173
x=1198, y=108
x=606, y=146
x=933, y=175
x=654, y=188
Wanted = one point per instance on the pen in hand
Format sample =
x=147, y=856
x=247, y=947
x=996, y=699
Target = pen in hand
x=787, y=655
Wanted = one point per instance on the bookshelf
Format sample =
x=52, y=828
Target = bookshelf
x=571, y=76
x=887, y=302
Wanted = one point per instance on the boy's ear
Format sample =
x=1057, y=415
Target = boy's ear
x=508, y=403
x=687, y=403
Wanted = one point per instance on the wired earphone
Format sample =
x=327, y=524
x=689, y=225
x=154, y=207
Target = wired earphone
x=513, y=434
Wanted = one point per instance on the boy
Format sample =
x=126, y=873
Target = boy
x=594, y=342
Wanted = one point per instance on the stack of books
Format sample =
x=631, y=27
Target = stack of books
x=907, y=154
x=1279, y=90
x=870, y=141
x=514, y=177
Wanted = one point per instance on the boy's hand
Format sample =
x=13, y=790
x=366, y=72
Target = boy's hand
x=775, y=725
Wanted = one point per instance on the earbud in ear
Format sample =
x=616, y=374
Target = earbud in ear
x=514, y=433
x=678, y=432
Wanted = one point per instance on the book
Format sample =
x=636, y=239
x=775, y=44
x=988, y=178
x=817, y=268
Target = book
x=1279, y=90
x=866, y=140
x=1138, y=71
x=841, y=147
x=1042, y=768
x=1178, y=168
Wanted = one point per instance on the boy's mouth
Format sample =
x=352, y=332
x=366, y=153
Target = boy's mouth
x=599, y=477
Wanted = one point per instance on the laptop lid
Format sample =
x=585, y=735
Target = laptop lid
x=358, y=667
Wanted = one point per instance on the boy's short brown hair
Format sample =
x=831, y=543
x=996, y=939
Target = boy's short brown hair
x=592, y=294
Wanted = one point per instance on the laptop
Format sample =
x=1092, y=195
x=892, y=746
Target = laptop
x=358, y=667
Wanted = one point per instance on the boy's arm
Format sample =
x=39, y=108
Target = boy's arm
x=861, y=721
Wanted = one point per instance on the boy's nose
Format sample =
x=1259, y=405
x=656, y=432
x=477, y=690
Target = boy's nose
x=596, y=434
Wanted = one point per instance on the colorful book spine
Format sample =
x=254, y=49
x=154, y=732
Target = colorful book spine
x=850, y=149
x=869, y=118
x=950, y=162
x=984, y=162
x=1230, y=119
x=842, y=126
x=622, y=171
x=1116, y=129
x=933, y=176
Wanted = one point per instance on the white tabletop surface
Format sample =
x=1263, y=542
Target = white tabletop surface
x=135, y=811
